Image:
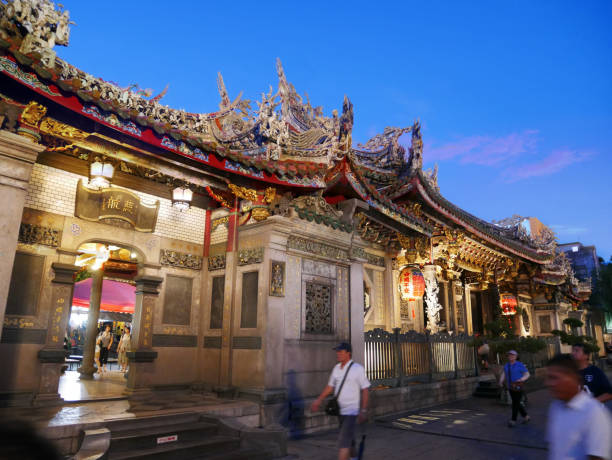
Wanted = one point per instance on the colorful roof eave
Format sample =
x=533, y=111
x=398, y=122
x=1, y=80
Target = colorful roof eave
x=462, y=218
x=376, y=200
x=288, y=173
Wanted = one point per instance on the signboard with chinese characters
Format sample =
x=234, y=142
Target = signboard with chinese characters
x=115, y=203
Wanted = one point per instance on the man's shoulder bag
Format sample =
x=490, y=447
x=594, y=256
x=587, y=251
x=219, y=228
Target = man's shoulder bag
x=332, y=407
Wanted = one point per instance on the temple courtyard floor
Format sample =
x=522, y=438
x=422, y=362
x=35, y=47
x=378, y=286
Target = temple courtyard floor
x=472, y=429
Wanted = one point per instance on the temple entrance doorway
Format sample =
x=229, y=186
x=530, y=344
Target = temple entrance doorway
x=477, y=313
x=98, y=335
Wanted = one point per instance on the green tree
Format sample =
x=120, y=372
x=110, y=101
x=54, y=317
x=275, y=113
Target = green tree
x=601, y=297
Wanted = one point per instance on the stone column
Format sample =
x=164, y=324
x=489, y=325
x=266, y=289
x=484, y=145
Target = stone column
x=391, y=320
x=225, y=370
x=142, y=355
x=17, y=157
x=356, y=311
x=469, y=328
x=87, y=368
x=52, y=355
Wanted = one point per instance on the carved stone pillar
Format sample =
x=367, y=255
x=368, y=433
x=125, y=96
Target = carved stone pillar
x=142, y=356
x=432, y=306
x=225, y=370
x=17, y=157
x=356, y=311
x=87, y=366
x=52, y=355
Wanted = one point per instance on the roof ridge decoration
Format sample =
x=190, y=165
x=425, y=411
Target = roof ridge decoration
x=297, y=131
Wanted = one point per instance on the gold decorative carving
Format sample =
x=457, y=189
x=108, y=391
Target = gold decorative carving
x=33, y=113
x=269, y=195
x=56, y=128
x=277, y=278
x=243, y=192
x=250, y=256
x=260, y=213
x=219, y=221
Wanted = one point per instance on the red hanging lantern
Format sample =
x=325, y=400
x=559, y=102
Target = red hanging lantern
x=508, y=304
x=411, y=283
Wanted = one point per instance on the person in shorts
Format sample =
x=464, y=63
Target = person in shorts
x=353, y=399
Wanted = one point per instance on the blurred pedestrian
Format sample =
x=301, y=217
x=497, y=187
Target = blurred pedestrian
x=594, y=380
x=483, y=354
x=579, y=427
x=515, y=375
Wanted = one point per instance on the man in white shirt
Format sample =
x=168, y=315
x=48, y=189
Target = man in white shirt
x=579, y=426
x=353, y=397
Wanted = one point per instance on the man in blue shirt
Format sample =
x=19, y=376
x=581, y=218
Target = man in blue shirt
x=515, y=375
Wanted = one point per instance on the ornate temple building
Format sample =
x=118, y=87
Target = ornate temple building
x=253, y=237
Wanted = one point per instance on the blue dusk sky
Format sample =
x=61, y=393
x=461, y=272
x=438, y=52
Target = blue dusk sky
x=515, y=98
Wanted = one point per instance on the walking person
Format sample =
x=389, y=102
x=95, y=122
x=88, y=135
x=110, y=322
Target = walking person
x=515, y=374
x=349, y=385
x=483, y=354
x=106, y=340
x=125, y=345
x=97, y=355
x=579, y=427
x=594, y=380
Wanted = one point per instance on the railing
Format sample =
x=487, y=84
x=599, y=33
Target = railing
x=396, y=359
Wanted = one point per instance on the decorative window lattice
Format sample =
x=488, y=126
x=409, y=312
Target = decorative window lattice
x=318, y=308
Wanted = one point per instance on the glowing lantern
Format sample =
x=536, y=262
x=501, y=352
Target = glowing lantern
x=411, y=283
x=100, y=174
x=508, y=304
x=181, y=198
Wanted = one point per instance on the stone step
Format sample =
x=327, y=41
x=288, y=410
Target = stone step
x=205, y=448
x=121, y=424
x=145, y=438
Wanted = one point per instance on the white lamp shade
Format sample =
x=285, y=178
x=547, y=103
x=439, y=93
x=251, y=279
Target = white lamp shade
x=101, y=174
x=181, y=198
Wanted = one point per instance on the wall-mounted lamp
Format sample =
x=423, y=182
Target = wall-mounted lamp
x=100, y=174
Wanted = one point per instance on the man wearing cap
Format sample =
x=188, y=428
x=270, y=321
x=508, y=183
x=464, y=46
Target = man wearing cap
x=515, y=374
x=352, y=399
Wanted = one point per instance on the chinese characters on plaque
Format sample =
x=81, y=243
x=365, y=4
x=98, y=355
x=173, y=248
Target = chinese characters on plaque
x=115, y=203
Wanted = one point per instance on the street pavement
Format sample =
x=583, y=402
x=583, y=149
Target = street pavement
x=474, y=429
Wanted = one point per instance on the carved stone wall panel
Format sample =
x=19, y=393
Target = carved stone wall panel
x=37, y=234
x=318, y=308
x=216, y=262
x=277, y=278
x=314, y=247
x=250, y=256
x=180, y=259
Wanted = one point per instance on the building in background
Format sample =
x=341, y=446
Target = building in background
x=586, y=267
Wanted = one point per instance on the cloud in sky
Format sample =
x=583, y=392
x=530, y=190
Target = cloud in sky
x=568, y=230
x=519, y=149
x=486, y=150
x=552, y=163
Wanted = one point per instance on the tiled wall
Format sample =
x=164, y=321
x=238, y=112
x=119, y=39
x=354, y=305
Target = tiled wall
x=54, y=190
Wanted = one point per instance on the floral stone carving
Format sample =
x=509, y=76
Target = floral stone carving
x=250, y=256
x=180, y=259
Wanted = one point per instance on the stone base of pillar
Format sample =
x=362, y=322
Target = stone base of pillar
x=138, y=394
x=86, y=373
x=46, y=400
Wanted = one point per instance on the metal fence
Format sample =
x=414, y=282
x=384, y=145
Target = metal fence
x=396, y=359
